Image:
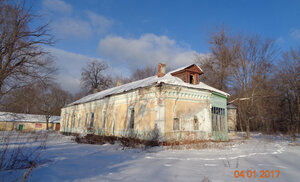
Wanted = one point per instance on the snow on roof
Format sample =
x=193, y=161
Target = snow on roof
x=153, y=80
x=32, y=118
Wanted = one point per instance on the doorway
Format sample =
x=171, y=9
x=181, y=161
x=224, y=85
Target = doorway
x=57, y=126
x=20, y=127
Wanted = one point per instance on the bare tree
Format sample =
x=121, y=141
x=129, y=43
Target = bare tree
x=242, y=65
x=52, y=99
x=141, y=73
x=21, y=100
x=22, y=60
x=137, y=74
x=288, y=78
x=92, y=77
x=39, y=98
x=218, y=65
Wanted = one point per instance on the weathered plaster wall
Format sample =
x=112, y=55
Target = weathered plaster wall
x=27, y=126
x=231, y=119
x=188, y=105
x=154, y=107
x=116, y=120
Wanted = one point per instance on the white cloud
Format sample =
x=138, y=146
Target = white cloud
x=148, y=50
x=280, y=40
x=57, y=6
x=123, y=55
x=70, y=65
x=70, y=27
x=99, y=23
x=80, y=24
x=295, y=33
x=69, y=83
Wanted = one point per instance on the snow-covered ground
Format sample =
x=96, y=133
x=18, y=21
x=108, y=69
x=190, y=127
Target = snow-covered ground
x=70, y=161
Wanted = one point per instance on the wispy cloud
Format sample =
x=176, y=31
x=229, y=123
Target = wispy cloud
x=147, y=50
x=70, y=65
x=295, y=33
x=57, y=6
x=280, y=40
x=99, y=23
x=79, y=24
x=70, y=27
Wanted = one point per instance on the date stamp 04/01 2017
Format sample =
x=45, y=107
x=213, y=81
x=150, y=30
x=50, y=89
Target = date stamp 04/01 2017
x=256, y=174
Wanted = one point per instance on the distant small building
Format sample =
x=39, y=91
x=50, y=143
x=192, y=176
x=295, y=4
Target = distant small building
x=231, y=115
x=27, y=122
x=172, y=106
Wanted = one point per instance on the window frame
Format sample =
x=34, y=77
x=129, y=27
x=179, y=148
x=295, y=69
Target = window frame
x=86, y=119
x=218, y=119
x=131, y=118
x=78, y=121
x=73, y=120
x=92, y=118
x=176, y=124
x=196, y=123
x=104, y=112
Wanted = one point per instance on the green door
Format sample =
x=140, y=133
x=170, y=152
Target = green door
x=219, y=117
x=20, y=127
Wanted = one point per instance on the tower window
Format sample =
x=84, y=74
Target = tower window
x=191, y=79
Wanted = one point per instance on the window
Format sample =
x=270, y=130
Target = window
x=78, y=121
x=73, y=121
x=38, y=125
x=92, y=120
x=103, y=118
x=131, y=118
x=218, y=119
x=196, y=123
x=86, y=119
x=64, y=123
x=176, y=124
x=191, y=79
x=67, y=121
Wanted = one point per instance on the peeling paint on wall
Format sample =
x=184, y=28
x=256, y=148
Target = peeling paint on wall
x=154, y=111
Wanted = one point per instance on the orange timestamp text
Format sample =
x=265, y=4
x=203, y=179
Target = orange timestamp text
x=257, y=174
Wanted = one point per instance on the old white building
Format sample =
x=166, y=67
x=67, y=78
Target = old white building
x=172, y=106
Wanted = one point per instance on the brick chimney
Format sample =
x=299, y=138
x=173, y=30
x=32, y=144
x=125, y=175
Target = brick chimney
x=95, y=90
x=119, y=83
x=161, y=70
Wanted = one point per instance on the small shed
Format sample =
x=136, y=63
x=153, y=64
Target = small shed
x=27, y=122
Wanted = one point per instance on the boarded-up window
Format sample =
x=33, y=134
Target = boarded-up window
x=92, y=120
x=103, y=118
x=38, y=125
x=64, y=123
x=196, y=123
x=86, y=119
x=73, y=120
x=131, y=118
x=176, y=124
x=78, y=121
x=68, y=121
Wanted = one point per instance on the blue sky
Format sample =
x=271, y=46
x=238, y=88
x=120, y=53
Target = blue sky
x=130, y=34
